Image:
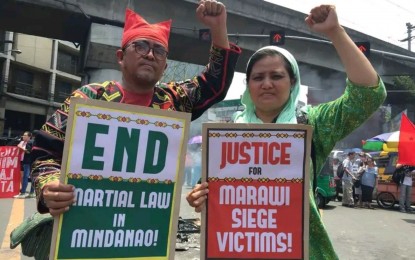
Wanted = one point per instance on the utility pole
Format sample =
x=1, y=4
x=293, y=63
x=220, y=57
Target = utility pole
x=409, y=27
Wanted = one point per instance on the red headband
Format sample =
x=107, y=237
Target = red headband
x=136, y=27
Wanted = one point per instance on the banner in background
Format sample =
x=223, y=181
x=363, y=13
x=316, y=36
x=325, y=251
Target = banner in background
x=258, y=202
x=9, y=171
x=126, y=163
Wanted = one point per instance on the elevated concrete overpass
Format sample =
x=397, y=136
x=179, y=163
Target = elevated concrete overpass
x=97, y=26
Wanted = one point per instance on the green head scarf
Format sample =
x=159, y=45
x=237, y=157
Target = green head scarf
x=288, y=114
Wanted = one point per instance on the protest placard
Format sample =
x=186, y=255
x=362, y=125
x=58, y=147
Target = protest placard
x=126, y=164
x=258, y=206
x=9, y=171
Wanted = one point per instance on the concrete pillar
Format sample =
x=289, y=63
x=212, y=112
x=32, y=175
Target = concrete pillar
x=52, y=80
x=2, y=114
x=50, y=112
x=5, y=74
x=32, y=123
x=411, y=112
x=5, y=78
x=100, y=58
x=100, y=49
x=101, y=75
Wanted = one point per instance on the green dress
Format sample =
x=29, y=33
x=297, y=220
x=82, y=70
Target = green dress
x=332, y=122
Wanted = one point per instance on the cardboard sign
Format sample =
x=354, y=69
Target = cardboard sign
x=9, y=171
x=126, y=163
x=258, y=206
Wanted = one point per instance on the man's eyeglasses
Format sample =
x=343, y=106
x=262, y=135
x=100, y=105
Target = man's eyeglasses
x=143, y=48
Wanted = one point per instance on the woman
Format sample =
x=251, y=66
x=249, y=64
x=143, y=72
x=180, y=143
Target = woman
x=273, y=81
x=368, y=182
x=361, y=167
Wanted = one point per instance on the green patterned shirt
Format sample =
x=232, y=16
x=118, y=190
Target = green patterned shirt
x=332, y=122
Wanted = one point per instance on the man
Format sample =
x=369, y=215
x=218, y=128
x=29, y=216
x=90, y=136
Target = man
x=25, y=147
x=347, y=180
x=142, y=59
x=405, y=187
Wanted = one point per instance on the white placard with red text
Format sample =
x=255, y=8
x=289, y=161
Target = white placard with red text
x=258, y=204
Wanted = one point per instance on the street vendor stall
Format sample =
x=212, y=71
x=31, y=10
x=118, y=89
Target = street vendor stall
x=387, y=142
x=387, y=192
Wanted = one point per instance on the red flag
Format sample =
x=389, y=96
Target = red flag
x=406, y=142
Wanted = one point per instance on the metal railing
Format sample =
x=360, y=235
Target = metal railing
x=28, y=91
x=61, y=96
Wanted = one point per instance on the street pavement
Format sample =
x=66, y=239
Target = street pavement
x=370, y=234
x=356, y=233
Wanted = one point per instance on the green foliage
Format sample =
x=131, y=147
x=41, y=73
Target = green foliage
x=405, y=83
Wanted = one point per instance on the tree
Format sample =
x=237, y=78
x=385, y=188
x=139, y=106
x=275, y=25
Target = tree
x=404, y=93
x=406, y=84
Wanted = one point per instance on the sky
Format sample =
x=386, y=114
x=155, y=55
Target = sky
x=382, y=19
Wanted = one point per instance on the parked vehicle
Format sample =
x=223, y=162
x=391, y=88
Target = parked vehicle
x=10, y=141
x=326, y=186
x=387, y=192
x=340, y=155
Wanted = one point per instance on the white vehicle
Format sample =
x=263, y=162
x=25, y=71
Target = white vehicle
x=339, y=154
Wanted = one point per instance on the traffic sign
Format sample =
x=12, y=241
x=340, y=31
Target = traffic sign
x=204, y=35
x=364, y=47
x=277, y=37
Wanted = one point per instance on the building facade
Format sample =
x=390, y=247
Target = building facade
x=37, y=74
